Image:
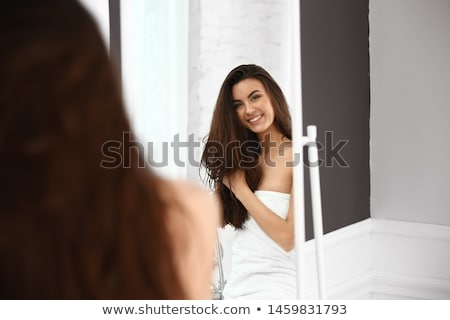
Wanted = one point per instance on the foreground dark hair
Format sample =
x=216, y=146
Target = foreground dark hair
x=70, y=229
x=230, y=146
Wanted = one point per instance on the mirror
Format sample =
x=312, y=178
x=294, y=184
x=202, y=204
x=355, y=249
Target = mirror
x=213, y=38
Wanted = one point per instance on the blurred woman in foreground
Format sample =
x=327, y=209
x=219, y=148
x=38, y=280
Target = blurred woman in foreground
x=73, y=226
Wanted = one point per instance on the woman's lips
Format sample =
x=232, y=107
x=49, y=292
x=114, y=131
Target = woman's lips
x=255, y=118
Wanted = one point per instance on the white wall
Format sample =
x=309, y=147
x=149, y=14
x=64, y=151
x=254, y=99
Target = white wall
x=410, y=110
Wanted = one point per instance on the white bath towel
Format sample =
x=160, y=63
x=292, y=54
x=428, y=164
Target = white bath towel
x=260, y=268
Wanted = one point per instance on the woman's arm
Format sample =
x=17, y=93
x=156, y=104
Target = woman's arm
x=278, y=229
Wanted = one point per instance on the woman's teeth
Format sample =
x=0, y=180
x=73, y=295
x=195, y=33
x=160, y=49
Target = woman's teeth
x=255, y=118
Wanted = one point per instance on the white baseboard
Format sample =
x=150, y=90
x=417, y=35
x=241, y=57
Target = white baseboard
x=395, y=286
x=410, y=260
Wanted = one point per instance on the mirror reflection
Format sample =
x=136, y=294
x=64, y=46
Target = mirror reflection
x=249, y=162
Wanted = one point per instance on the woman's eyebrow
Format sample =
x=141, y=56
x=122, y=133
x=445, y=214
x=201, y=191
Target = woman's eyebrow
x=253, y=92
x=249, y=96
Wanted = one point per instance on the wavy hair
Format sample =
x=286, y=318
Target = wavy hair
x=69, y=228
x=230, y=146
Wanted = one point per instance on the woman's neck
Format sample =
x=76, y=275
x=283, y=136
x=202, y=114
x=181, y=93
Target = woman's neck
x=271, y=139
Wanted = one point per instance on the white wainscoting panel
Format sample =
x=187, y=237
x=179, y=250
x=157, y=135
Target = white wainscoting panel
x=411, y=260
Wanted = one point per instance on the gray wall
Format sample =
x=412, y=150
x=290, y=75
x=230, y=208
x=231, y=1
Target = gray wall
x=335, y=70
x=410, y=85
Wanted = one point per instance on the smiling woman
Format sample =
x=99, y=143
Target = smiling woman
x=254, y=182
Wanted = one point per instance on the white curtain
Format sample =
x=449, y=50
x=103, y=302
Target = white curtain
x=154, y=70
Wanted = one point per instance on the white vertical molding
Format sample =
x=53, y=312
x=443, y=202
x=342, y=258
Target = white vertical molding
x=297, y=138
x=316, y=203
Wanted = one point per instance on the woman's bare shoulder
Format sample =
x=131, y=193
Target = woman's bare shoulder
x=193, y=195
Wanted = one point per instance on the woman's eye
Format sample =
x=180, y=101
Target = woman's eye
x=238, y=105
x=256, y=97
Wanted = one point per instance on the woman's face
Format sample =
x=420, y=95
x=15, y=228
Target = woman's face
x=253, y=106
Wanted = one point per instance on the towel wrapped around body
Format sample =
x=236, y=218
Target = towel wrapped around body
x=260, y=268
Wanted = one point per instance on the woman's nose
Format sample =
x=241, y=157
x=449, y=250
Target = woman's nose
x=249, y=109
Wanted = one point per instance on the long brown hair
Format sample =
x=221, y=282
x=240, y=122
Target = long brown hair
x=71, y=228
x=230, y=146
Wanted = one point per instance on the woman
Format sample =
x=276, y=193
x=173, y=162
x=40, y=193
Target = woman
x=248, y=158
x=72, y=225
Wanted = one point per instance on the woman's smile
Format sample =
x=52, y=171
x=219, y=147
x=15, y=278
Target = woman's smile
x=253, y=105
x=255, y=119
